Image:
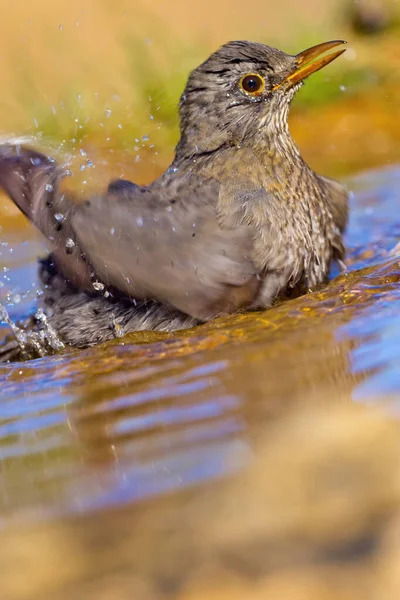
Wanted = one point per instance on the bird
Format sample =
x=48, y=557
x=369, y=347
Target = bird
x=237, y=220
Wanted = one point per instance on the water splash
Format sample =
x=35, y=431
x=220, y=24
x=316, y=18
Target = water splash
x=19, y=334
x=39, y=340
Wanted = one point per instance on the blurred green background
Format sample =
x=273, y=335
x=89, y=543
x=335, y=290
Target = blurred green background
x=99, y=78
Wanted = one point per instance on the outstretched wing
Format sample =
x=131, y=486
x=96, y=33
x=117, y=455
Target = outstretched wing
x=165, y=242
x=162, y=242
x=32, y=181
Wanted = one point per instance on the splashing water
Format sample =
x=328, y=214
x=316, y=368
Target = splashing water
x=41, y=341
x=19, y=333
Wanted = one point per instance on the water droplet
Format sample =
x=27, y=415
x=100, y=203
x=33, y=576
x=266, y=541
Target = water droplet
x=82, y=168
x=59, y=217
x=112, y=231
x=98, y=286
x=145, y=138
x=108, y=112
x=139, y=222
x=342, y=88
x=70, y=243
x=39, y=315
x=82, y=152
x=48, y=187
x=117, y=328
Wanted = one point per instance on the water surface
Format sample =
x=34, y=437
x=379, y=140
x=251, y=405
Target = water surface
x=155, y=413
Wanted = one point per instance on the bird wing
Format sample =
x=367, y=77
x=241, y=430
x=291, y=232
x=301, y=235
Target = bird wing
x=337, y=198
x=165, y=242
x=162, y=242
x=32, y=181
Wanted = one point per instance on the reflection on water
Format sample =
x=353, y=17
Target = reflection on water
x=374, y=227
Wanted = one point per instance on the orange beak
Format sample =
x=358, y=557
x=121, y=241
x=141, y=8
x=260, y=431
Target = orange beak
x=307, y=65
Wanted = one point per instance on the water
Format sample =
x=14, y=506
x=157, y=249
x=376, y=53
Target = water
x=153, y=413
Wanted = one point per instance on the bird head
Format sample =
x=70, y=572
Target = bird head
x=244, y=88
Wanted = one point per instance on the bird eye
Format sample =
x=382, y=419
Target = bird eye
x=252, y=84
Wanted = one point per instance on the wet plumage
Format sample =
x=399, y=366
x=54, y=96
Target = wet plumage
x=237, y=220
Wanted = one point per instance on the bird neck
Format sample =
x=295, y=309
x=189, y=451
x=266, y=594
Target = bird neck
x=273, y=150
x=277, y=144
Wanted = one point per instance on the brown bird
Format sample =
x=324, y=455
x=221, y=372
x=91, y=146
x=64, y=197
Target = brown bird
x=237, y=220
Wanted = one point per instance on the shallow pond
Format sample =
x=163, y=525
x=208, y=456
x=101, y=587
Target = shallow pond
x=154, y=413
x=253, y=457
x=157, y=423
